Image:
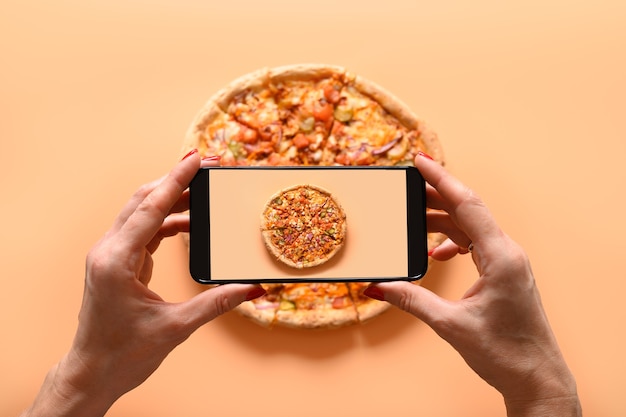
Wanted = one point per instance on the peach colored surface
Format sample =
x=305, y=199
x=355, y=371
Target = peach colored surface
x=376, y=223
x=528, y=99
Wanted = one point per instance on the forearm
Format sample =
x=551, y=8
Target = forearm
x=61, y=395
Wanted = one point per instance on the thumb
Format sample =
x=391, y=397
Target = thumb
x=216, y=301
x=414, y=299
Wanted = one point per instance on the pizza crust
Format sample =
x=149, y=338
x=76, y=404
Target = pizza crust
x=317, y=319
x=193, y=138
x=369, y=310
x=264, y=317
x=253, y=81
x=273, y=249
x=398, y=109
x=305, y=72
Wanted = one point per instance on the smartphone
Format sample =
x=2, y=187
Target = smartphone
x=385, y=218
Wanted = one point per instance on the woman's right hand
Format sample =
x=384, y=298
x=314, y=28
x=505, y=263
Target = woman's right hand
x=499, y=326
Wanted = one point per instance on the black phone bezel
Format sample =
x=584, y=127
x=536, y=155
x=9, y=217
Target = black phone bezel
x=199, y=226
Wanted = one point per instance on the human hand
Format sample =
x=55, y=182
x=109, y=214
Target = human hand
x=126, y=330
x=499, y=325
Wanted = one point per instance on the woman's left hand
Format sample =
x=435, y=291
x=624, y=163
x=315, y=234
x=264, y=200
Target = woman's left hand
x=125, y=329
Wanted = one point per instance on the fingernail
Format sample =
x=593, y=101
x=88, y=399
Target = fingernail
x=256, y=292
x=211, y=158
x=425, y=155
x=375, y=293
x=191, y=152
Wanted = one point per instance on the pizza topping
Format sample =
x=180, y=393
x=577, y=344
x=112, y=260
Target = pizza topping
x=236, y=148
x=387, y=146
x=323, y=110
x=300, y=141
x=399, y=149
x=297, y=122
x=307, y=125
x=343, y=113
x=331, y=93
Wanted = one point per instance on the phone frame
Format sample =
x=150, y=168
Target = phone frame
x=199, y=226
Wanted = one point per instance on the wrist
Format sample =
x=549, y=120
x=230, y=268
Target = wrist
x=552, y=394
x=565, y=406
x=71, y=389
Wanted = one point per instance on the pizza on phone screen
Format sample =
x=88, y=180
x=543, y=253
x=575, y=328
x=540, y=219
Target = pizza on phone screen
x=303, y=226
x=310, y=114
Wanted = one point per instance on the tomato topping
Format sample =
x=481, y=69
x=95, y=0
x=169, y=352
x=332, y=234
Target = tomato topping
x=331, y=94
x=343, y=159
x=323, y=110
x=248, y=135
x=300, y=141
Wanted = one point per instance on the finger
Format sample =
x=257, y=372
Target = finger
x=465, y=208
x=146, y=270
x=142, y=193
x=172, y=225
x=183, y=203
x=143, y=224
x=210, y=161
x=447, y=250
x=132, y=204
x=438, y=221
x=434, y=199
x=414, y=299
x=214, y=302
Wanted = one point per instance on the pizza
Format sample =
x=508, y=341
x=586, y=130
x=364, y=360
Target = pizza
x=303, y=226
x=309, y=114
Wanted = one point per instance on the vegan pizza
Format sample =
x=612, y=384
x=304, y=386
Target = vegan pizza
x=310, y=114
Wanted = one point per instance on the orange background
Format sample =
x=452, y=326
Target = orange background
x=529, y=102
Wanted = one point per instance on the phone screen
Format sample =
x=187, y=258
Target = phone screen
x=383, y=237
